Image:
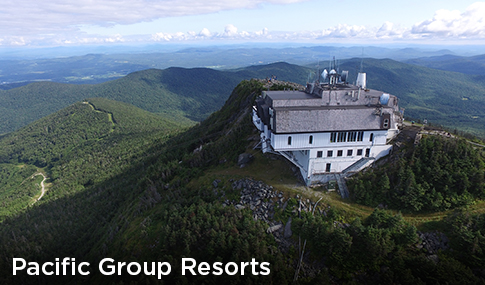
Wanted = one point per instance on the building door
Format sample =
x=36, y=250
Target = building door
x=367, y=152
x=327, y=169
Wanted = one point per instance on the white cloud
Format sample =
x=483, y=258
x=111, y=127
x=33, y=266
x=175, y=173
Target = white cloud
x=33, y=22
x=453, y=24
x=263, y=32
x=205, y=33
x=230, y=31
x=33, y=16
x=345, y=31
x=33, y=19
x=389, y=30
x=162, y=37
x=114, y=39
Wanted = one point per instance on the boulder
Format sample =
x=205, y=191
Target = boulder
x=274, y=228
x=216, y=182
x=244, y=159
x=239, y=207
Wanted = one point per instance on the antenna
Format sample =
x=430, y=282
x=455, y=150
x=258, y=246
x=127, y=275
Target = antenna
x=362, y=61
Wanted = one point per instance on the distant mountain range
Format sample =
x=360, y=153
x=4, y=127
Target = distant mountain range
x=103, y=64
x=452, y=99
x=474, y=65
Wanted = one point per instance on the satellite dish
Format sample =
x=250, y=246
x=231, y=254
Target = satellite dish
x=333, y=71
x=325, y=74
x=384, y=99
x=345, y=75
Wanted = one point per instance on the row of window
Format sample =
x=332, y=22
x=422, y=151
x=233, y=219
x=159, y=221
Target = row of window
x=348, y=136
x=350, y=152
x=341, y=137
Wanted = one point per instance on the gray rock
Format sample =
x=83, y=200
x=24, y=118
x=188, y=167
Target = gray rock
x=288, y=232
x=216, y=182
x=285, y=204
x=244, y=159
x=239, y=207
x=434, y=258
x=274, y=228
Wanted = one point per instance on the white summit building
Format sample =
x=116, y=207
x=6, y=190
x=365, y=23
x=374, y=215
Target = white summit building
x=329, y=129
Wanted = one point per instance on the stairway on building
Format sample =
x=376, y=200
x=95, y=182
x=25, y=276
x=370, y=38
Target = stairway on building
x=358, y=165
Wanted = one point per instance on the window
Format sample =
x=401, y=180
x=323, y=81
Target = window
x=360, y=136
x=359, y=152
x=340, y=152
x=330, y=153
x=328, y=166
x=349, y=152
x=333, y=137
x=342, y=136
x=319, y=153
x=310, y=140
x=371, y=137
x=367, y=152
x=386, y=123
x=352, y=136
x=289, y=140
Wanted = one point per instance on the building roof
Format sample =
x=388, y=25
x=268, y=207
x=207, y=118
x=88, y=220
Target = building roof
x=330, y=108
x=301, y=120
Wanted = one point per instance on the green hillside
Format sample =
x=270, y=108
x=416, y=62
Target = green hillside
x=151, y=90
x=78, y=146
x=191, y=93
x=436, y=175
x=473, y=65
x=149, y=195
x=18, y=188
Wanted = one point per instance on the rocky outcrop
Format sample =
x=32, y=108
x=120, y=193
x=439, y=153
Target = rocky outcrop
x=263, y=200
x=270, y=81
x=432, y=243
x=258, y=197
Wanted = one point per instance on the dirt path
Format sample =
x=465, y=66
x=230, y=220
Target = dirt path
x=42, y=185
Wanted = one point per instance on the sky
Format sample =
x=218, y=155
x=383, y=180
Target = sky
x=47, y=23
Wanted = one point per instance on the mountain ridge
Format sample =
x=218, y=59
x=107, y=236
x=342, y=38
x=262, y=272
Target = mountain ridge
x=191, y=93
